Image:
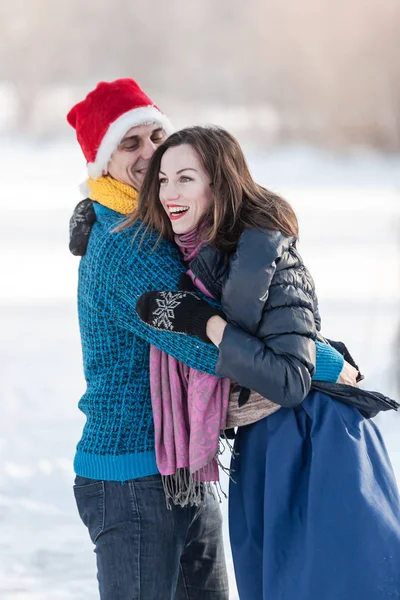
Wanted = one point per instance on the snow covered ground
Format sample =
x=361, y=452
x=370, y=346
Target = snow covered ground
x=349, y=211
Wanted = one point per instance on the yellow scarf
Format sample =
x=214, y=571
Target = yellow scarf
x=113, y=194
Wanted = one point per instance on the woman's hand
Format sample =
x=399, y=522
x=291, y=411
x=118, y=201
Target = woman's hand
x=348, y=375
x=215, y=329
x=350, y=366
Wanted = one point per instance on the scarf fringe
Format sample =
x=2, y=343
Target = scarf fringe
x=228, y=443
x=189, y=489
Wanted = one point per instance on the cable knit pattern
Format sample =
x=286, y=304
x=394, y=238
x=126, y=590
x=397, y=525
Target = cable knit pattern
x=118, y=438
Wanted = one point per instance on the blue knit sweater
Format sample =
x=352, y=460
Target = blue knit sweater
x=118, y=437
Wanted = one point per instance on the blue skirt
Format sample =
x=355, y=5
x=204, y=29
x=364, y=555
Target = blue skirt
x=314, y=512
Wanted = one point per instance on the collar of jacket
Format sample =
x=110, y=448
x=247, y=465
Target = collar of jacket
x=210, y=267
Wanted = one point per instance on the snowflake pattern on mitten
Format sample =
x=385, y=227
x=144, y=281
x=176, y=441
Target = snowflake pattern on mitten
x=167, y=302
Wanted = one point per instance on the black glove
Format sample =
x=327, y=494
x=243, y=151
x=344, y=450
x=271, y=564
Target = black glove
x=80, y=226
x=180, y=312
x=342, y=348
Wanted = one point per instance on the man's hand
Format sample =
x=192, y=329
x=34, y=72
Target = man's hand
x=180, y=312
x=80, y=226
x=348, y=375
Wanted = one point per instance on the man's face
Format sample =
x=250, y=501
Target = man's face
x=129, y=162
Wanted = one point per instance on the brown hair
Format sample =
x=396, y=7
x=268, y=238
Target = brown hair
x=239, y=202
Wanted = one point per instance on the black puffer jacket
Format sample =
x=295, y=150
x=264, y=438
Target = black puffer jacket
x=269, y=299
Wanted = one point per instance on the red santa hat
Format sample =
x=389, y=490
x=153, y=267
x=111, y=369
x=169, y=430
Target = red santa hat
x=106, y=114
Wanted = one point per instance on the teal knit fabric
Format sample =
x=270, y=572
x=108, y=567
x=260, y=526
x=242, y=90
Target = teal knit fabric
x=118, y=438
x=328, y=364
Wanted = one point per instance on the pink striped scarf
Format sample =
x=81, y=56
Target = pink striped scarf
x=189, y=411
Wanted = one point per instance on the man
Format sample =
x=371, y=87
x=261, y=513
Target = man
x=144, y=551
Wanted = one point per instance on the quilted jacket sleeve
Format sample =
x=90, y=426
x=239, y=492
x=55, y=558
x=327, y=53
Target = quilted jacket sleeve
x=268, y=345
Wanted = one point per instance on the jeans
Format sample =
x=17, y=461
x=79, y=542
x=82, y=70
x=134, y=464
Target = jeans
x=147, y=552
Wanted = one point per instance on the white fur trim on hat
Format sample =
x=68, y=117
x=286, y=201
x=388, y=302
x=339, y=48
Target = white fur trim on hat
x=137, y=116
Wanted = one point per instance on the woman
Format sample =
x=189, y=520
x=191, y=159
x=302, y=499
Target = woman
x=314, y=508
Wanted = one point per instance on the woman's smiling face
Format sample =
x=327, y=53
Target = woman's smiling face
x=185, y=188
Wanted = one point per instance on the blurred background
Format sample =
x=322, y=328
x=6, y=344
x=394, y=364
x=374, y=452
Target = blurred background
x=310, y=88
